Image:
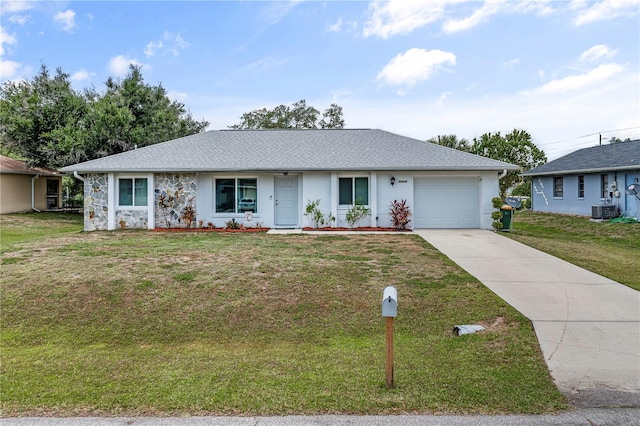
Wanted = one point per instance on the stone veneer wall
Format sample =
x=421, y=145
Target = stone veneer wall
x=128, y=219
x=182, y=187
x=96, y=205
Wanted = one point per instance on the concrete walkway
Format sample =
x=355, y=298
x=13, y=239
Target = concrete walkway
x=588, y=326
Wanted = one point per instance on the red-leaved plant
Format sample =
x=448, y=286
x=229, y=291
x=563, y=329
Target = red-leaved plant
x=400, y=213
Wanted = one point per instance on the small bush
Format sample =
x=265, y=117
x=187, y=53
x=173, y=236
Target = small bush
x=400, y=213
x=355, y=214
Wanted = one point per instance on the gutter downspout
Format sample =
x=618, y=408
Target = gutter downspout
x=77, y=176
x=503, y=174
x=33, y=193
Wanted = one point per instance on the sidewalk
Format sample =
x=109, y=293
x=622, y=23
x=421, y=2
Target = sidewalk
x=588, y=326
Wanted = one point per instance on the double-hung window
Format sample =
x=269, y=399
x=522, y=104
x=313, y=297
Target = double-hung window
x=353, y=190
x=558, y=189
x=580, y=186
x=132, y=192
x=236, y=195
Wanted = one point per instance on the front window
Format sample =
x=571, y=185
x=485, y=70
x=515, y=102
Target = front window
x=353, y=191
x=604, y=184
x=557, y=187
x=132, y=192
x=581, y=186
x=236, y=195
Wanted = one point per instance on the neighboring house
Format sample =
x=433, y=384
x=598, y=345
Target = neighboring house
x=25, y=188
x=274, y=174
x=589, y=182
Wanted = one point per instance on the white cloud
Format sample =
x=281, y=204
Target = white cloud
x=387, y=19
x=15, y=6
x=580, y=81
x=19, y=19
x=264, y=64
x=274, y=12
x=413, y=66
x=478, y=17
x=66, y=19
x=152, y=48
x=613, y=105
x=605, y=10
x=177, y=96
x=511, y=64
x=9, y=70
x=6, y=38
x=597, y=52
x=119, y=65
x=337, y=27
x=177, y=42
x=174, y=43
x=82, y=75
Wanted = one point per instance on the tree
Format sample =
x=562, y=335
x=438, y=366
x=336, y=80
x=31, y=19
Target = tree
x=618, y=140
x=51, y=125
x=298, y=116
x=33, y=114
x=515, y=148
x=451, y=141
x=332, y=118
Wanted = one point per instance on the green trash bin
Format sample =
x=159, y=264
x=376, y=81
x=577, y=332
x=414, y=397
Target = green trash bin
x=507, y=216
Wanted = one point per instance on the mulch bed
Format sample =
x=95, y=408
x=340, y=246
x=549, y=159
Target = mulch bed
x=210, y=230
x=361, y=228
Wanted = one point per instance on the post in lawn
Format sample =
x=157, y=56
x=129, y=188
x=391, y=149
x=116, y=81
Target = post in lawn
x=390, y=311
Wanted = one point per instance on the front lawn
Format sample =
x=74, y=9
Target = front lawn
x=135, y=322
x=606, y=248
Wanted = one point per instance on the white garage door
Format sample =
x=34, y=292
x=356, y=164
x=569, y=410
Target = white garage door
x=446, y=202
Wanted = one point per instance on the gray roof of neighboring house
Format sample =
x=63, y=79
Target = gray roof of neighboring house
x=612, y=157
x=290, y=150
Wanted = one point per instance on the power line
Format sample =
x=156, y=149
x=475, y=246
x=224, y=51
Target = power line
x=591, y=134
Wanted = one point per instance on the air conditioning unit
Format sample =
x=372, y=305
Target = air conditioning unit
x=603, y=211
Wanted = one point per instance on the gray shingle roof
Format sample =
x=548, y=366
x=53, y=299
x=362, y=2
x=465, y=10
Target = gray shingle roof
x=602, y=158
x=290, y=150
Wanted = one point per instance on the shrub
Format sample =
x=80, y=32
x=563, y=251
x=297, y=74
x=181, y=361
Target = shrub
x=315, y=216
x=400, y=213
x=355, y=214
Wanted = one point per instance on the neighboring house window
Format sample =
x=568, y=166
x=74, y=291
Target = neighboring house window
x=580, y=186
x=353, y=191
x=604, y=184
x=557, y=187
x=132, y=192
x=236, y=195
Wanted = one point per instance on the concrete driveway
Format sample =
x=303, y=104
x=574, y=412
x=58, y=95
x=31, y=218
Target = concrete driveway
x=588, y=326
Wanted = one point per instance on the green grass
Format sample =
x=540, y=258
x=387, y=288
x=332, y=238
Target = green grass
x=115, y=323
x=609, y=249
x=25, y=227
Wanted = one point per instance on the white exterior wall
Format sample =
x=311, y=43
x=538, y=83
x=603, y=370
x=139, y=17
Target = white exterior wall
x=315, y=186
x=323, y=186
x=205, y=201
x=404, y=190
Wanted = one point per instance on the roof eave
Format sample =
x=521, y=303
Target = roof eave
x=71, y=170
x=584, y=171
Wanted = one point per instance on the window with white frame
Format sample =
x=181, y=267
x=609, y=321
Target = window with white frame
x=558, y=187
x=236, y=195
x=132, y=192
x=353, y=190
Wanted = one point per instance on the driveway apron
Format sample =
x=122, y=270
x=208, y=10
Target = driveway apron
x=588, y=326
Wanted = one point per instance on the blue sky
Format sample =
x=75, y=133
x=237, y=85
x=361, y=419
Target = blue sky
x=562, y=70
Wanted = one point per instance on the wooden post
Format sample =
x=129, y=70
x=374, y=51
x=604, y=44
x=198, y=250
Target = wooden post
x=389, y=345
